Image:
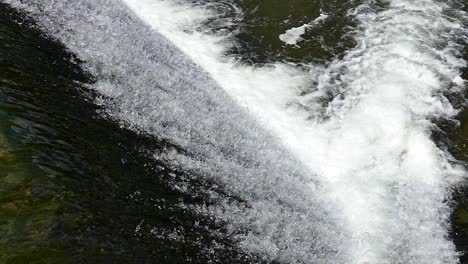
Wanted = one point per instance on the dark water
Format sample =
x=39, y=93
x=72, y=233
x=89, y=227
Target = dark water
x=459, y=145
x=256, y=32
x=75, y=187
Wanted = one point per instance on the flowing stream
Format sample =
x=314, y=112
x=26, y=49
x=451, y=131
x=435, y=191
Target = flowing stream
x=328, y=159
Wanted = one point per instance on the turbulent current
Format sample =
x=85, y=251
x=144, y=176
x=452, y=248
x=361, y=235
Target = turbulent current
x=321, y=162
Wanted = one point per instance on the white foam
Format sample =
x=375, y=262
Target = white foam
x=293, y=36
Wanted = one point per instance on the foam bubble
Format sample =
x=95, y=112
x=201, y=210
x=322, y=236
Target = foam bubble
x=293, y=36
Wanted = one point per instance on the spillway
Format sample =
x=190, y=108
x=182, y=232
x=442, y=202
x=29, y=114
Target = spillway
x=329, y=163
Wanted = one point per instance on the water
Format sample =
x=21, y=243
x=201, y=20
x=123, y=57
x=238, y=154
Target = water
x=327, y=151
x=67, y=170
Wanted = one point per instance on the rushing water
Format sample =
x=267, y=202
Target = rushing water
x=236, y=131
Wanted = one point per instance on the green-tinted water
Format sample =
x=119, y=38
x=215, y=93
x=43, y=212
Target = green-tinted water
x=257, y=31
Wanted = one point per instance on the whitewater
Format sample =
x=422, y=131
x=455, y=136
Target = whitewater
x=343, y=172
